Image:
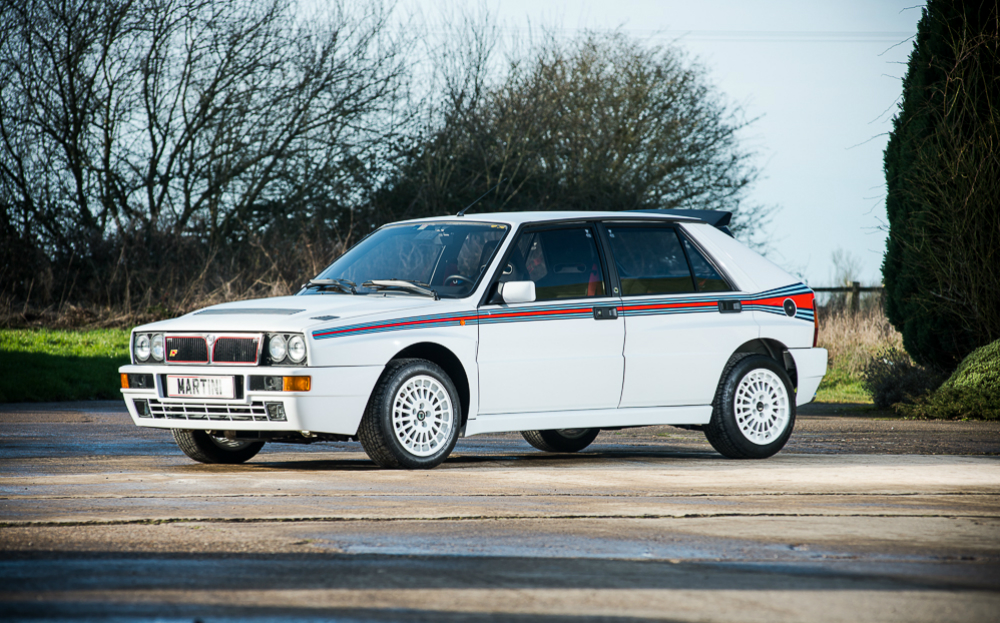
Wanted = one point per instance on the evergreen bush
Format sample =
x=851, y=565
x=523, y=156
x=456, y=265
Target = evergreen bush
x=942, y=168
x=971, y=392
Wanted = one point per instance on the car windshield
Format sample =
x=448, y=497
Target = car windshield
x=448, y=259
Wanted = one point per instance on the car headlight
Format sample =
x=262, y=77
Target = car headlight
x=277, y=347
x=297, y=348
x=142, y=347
x=157, y=347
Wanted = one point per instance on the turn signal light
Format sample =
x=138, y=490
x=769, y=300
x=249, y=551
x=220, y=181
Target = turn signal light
x=124, y=381
x=297, y=383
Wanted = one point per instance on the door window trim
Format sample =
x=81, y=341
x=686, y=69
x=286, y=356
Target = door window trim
x=682, y=235
x=528, y=228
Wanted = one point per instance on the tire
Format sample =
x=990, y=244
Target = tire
x=205, y=448
x=753, y=413
x=564, y=440
x=413, y=417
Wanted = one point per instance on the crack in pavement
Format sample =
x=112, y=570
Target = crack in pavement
x=360, y=518
x=181, y=496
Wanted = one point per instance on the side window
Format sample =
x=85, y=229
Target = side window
x=650, y=260
x=709, y=279
x=563, y=263
x=476, y=252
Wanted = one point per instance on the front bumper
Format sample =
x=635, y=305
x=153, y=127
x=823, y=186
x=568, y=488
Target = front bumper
x=334, y=404
x=810, y=366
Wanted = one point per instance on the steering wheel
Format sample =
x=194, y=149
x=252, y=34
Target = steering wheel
x=459, y=278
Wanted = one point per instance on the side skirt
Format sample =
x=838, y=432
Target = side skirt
x=592, y=418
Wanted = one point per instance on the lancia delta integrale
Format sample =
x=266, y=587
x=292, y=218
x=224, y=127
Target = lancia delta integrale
x=552, y=324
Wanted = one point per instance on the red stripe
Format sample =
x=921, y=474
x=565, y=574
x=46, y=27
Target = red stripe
x=802, y=301
x=670, y=306
x=397, y=324
x=546, y=312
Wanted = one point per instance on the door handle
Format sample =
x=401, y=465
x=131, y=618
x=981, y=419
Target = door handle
x=606, y=313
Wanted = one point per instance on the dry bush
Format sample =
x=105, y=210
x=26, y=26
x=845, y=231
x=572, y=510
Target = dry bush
x=854, y=339
x=891, y=377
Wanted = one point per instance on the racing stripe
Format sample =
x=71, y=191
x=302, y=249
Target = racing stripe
x=770, y=301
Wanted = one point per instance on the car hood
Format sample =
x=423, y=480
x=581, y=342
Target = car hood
x=291, y=313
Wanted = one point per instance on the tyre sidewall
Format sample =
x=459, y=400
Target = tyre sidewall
x=728, y=410
x=393, y=384
x=198, y=445
x=563, y=443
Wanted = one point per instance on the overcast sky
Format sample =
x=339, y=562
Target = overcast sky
x=824, y=78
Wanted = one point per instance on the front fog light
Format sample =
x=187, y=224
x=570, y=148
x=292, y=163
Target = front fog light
x=277, y=347
x=297, y=349
x=142, y=347
x=275, y=411
x=157, y=348
x=142, y=408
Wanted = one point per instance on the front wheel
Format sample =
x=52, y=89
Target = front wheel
x=563, y=440
x=205, y=448
x=754, y=409
x=413, y=416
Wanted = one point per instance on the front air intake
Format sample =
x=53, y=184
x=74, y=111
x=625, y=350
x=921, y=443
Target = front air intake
x=189, y=349
x=235, y=350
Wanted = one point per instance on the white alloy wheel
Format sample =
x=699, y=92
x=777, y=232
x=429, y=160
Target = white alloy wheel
x=422, y=415
x=761, y=406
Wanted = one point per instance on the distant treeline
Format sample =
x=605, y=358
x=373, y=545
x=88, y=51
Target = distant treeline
x=156, y=154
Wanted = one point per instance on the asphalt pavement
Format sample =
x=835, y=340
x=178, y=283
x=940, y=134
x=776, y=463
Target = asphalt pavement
x=860, y=518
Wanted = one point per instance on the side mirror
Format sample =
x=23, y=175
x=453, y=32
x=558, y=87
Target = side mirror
x=517, y=291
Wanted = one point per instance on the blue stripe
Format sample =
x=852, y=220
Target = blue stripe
x=572, y=311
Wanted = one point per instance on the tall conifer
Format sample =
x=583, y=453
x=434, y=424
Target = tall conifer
x=942, y=166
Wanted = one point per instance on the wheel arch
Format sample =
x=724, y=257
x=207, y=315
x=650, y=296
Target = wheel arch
x=448, y=361
x=775, y=350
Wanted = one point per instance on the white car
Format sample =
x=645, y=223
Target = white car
x=553, y=324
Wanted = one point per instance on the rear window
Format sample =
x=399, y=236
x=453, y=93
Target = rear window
x=705, y=275
x=650, y=260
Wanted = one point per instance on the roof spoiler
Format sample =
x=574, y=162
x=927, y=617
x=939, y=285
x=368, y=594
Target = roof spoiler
x=716, y=218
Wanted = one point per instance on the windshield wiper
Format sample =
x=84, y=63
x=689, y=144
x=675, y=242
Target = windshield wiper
x=400, y=284
x=344, y=285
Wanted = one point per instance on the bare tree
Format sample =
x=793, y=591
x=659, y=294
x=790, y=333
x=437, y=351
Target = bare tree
x=599, y=122
x=129, y=127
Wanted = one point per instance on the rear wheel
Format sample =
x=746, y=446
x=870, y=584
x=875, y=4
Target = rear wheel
x=562, y=440
x=205, y=448
x=413, y=416
x=754, y=409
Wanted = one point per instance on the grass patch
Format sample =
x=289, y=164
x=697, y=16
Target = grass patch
x=840, y=385
x=41, y=365
x=852, y=340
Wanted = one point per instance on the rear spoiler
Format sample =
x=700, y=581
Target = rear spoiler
x=716, y=218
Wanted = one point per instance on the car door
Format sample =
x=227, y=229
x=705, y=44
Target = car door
x=562, y=351
x=678, y=337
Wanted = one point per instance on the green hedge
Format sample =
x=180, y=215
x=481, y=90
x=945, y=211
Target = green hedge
x=971, y=392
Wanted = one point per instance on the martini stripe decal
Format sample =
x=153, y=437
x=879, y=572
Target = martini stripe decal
x=771, y=302
x=417, y=322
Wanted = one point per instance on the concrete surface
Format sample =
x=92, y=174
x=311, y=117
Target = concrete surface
x=859, y=519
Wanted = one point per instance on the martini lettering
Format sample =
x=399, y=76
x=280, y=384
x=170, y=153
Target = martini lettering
x=199, y=386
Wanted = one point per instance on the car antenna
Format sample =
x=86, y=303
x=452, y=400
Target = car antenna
x=462, y=211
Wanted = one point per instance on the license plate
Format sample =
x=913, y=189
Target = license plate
x=201, y=387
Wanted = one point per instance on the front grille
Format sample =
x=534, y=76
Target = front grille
x=235, y=350
x=187, y=350
x=254, y=412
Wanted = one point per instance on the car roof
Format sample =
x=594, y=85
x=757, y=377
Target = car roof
x=517, y=218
